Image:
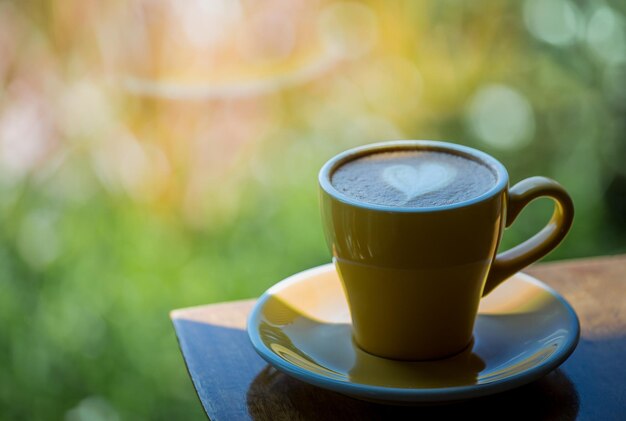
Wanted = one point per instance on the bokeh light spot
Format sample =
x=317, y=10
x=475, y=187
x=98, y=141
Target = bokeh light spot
x=125, y=164
x=206, y=23
x=501, y=117
x=556, y=22
x=606, y=35
x=93, y=408
x=26, y=134
x=349, y=29
x=85, y=110
x=38, y=241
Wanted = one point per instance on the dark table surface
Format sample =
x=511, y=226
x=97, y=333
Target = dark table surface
x=234, y=383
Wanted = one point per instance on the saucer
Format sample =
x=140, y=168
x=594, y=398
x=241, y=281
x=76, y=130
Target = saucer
x=301, y=326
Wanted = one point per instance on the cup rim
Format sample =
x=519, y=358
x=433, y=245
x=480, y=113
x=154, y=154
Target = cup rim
x=333, y=163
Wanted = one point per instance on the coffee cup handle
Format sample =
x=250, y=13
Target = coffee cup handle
x=511, y=261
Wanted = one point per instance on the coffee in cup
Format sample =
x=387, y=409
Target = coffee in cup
x=415, y=179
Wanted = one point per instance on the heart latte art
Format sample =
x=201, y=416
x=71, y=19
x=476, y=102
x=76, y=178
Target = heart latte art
x=413, y=179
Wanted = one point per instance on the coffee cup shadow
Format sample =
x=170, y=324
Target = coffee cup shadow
x=551, y=397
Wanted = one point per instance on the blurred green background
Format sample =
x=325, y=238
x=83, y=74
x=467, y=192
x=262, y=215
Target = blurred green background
x=162, y=154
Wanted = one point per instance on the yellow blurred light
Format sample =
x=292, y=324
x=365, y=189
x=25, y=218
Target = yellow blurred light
x=392, y=86
x=267, y=36
x=206, y=23
x=349, y=29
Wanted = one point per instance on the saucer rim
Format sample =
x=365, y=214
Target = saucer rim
x=416, y=395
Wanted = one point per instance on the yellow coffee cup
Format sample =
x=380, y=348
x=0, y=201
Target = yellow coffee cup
x=414, y=276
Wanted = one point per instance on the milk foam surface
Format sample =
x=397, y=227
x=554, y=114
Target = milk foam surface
x=413, y=179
